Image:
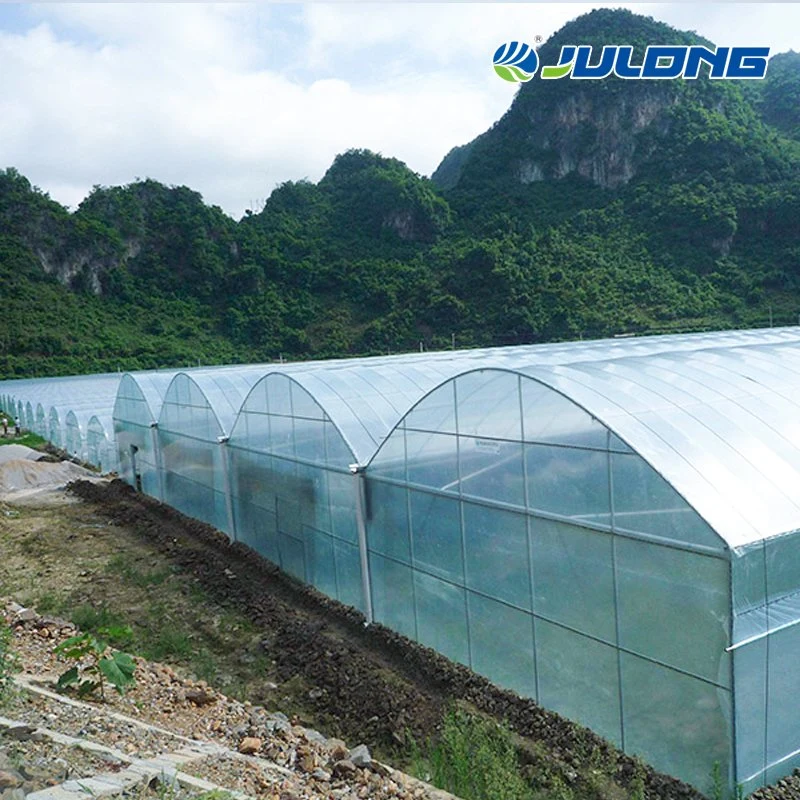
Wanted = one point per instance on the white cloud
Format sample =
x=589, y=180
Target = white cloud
x=232, y=99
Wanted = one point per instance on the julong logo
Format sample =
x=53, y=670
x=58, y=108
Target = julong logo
x=517, y=62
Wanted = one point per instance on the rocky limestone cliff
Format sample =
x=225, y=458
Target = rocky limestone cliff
x=582, y=131
x=587, y=135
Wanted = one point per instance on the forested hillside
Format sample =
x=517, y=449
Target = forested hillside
x=591, y=208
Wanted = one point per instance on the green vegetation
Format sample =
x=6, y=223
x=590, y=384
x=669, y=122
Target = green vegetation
x=104, y=665
x=474, y=758
x=8, y=662
x=591, y=208
x=27, y=438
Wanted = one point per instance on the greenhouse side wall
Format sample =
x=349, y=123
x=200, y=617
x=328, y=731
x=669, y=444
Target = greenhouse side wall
x=514, y=533
x=294, y=499
x=192, y=456
x=133, y=422
x=766, y=583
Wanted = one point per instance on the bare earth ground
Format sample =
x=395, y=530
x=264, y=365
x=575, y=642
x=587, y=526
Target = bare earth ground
x=217, y=612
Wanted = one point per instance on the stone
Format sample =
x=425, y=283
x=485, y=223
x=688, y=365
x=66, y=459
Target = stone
x=200, y=697
x=321, y=775
x=344, y=767
x=10, y=779
x=360, y=756
x=21, y=733
x=338, y=749
x=250, y=745
x=307, y=762
x=314, y=736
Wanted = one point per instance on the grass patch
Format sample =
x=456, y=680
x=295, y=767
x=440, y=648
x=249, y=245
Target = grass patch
x=474, y=758
x=27, y=438
x=8, y=663
x=121, y=565
x=168, y=644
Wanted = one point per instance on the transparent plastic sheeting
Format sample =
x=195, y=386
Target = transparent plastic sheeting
x=59, y=409
x=512, y=531
x=197, y=413
x=607, y=526
x=136, y=409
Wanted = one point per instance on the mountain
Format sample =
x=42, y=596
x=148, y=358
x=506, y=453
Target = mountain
x=590, y=208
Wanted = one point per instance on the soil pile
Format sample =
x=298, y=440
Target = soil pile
x=20, y=474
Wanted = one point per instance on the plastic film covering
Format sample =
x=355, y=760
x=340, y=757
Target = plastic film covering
x=498, y=498
x=74, y=436
x=54, y=428
x=44, y=403
x=197, y=415
x=100, y=449
x=293, y=496
x=136, y=410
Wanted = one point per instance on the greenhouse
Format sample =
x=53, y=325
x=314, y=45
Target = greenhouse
x=197, y=415
x=74, y=437
x=135, y=416
x=611, y=528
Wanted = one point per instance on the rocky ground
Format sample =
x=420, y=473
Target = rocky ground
x=258, y=752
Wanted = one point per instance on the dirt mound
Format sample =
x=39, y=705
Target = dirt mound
x=12, y=452
x=19, y=475
x=372, y=683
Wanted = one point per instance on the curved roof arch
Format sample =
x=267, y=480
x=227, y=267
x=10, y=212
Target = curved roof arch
x=363, y=402
x=100, y=425
x=72, y=420
x=366, y=398
x=720, y=422
x=146, y=388
x=223, y=390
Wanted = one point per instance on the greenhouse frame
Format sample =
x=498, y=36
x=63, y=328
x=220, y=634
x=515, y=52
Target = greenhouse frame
x=611, y=528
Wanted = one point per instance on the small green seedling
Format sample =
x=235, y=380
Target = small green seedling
x=104, y=665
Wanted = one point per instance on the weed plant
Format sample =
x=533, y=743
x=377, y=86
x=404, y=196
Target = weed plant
x=9, y=663
x=474, y=758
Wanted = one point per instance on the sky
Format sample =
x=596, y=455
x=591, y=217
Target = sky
x=233, y=99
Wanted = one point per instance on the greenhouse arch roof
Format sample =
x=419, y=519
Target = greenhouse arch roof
x=152, y=386
x=224, y=390
x=718, y=418
x=363, y=401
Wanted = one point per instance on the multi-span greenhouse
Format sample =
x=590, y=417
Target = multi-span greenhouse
x=611, y=528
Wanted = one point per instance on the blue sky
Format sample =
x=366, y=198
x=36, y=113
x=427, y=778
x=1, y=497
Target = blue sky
x=232, y=99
